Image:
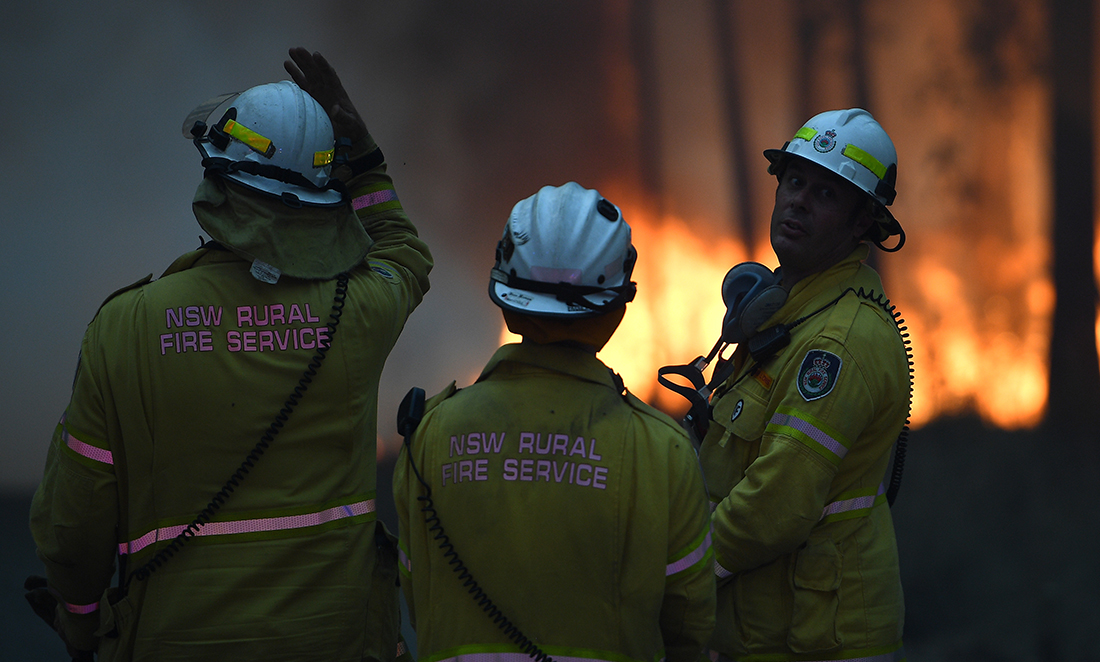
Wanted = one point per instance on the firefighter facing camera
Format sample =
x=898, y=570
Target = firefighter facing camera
x=219, y=443
x=797, y=426
x=571, y=514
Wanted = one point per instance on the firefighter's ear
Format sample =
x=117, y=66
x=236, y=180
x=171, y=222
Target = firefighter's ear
x=752, y=294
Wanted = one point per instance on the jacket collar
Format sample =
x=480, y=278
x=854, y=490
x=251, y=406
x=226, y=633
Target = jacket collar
x=555, y=358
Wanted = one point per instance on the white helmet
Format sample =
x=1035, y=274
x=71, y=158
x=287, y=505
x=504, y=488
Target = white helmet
x=565, y=252
x=276, y=139
x=853, y=145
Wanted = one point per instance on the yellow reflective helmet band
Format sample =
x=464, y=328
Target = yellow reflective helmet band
x=322, y=159
x=866, y=160
x=805, y=133
x=851, y=151
x=250, y=138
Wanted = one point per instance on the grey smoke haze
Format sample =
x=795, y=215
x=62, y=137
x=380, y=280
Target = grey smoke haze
x=476, y=105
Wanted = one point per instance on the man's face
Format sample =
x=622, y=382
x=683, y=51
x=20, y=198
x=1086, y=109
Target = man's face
x=813, y=222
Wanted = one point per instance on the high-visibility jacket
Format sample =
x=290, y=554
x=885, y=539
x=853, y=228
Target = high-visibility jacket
x=578, y=509
x=795, y=461
x=178, y=380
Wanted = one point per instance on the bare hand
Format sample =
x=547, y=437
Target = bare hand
x=313, y=73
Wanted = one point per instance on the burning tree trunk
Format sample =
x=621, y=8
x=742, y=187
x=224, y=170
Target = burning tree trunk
x=1074, y=366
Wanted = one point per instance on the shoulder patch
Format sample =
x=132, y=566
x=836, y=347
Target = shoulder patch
x=818, y=374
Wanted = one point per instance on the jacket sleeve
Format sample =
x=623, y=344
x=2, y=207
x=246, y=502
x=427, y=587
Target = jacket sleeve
x=396, y=242
x=74, y=513
x=688, y=609
x=771, y=511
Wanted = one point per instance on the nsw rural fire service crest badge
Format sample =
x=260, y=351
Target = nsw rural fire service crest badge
x=818, y=373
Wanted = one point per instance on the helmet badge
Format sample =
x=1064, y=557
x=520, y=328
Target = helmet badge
x=826, y=141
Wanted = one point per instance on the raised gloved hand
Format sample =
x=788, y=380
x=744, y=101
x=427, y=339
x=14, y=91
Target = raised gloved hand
x=313, y=73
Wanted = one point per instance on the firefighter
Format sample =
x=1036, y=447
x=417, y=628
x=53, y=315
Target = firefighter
x=798, y=446
x=220, y=438
x=545, y=510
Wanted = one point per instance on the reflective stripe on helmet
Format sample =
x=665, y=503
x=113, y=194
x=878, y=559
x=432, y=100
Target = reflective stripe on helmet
x=249, y=137
x=865, y=159
x=697, y=553
x=854, y=152
x=809, y=431
x=805, y=133
x=854, y=504
x=322, y=159
x=251, y=525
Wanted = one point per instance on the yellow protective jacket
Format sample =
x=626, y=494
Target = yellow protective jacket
x=795, y=460
x=178, y=380
x=578, y=509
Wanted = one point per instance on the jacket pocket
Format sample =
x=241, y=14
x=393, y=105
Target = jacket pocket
x=815, y=583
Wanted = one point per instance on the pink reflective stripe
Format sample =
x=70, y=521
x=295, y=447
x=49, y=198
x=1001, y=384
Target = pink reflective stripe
x=401, y=648
x=554, y=275
x=848, y=505
x=719, y=571
x=87, y=450
x=371, y=199
x=808, y=429
x=691, y=559
x=404, y=560
x=251, y=525
x=70, y=607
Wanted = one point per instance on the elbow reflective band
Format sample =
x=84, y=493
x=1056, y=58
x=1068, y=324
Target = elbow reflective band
x=374, y=198
x=262, y=524
x=854, y=504
x=71, y=608
x=809, y=431
x=250, y=138
x=719, y=571
x=697, y=553
x=83, y=448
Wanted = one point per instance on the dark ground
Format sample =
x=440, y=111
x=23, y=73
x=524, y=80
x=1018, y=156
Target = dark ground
x=997, y=532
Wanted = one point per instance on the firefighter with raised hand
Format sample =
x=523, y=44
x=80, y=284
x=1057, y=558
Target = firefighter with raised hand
x=799, y=442
x=220, y=438
x=545, y=510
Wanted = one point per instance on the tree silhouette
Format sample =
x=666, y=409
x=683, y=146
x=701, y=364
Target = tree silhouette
x=1074, y=366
